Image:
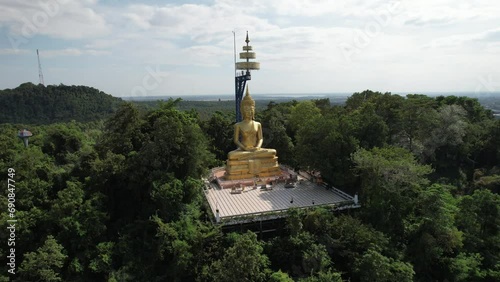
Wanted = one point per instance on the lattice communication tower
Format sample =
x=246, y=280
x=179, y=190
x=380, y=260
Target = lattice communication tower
x=40, y=74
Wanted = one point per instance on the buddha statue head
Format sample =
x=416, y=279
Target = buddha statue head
x=247, y=107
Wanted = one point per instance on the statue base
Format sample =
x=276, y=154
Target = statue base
x=219, y=176
x=245, y=169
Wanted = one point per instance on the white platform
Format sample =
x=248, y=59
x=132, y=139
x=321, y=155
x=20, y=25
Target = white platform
x=259, y=202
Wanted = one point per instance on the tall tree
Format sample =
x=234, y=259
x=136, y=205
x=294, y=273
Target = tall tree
x=433, y=237
x=302, y=114
x=219, y=130
x=391, y=179
x=122, y=134
x=243, y=261
x=357, y=99
x=325, y=145
x=448, y=131
x=479, y=220
x=369, y=128
x=45, y=264
x=373, y=266
x=418, y=115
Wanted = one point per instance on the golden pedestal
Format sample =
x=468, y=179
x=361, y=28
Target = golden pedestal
x=250, y=168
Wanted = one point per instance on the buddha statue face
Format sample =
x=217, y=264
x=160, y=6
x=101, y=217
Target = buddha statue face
x=247, y=112
x=247, y=107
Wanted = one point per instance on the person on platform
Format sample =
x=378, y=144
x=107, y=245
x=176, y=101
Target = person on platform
x=248, y=134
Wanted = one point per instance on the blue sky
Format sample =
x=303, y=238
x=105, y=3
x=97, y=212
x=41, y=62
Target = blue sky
x=147, y=48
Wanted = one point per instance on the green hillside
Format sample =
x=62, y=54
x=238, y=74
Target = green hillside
x=123, y=199
x=38, y=104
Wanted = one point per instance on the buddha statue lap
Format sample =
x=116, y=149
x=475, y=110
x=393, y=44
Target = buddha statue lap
x=249, y=159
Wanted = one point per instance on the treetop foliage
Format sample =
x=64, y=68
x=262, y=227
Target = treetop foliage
x=121, y=198
x=39, y=104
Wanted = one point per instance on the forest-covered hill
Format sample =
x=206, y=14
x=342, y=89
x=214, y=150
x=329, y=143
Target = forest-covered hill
x=122, y=200
x=38, y=104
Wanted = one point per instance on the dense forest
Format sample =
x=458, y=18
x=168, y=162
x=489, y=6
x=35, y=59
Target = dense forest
x=121, y=199
x=39, y=104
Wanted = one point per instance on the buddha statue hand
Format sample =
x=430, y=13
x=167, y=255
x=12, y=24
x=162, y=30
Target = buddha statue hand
x=251, y=149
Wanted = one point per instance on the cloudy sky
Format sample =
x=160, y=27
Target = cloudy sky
x=148, y=47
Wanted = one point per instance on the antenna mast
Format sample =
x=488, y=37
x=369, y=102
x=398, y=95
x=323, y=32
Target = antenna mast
x=234, y=45
x=40, y=74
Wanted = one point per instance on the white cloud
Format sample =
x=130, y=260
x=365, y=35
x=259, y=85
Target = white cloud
x=72, y=52
x=10, y=51
x=492, y=35
x=199, y=23
x=55, y=18
x=296, y=42
x=104, y=43
x=446, y=12
x=204, y=55
x=493, y=48
x=312, y=8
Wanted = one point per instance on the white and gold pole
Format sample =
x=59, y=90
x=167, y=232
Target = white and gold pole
x=240, y=80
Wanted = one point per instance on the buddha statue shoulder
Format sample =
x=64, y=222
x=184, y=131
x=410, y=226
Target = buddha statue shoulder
x=248, y=134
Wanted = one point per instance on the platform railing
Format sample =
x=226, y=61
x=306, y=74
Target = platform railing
x=249, y=217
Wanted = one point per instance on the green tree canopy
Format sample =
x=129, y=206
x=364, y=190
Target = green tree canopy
x=243, y=261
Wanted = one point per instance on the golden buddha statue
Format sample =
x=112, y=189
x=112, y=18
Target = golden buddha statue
x=249, y=159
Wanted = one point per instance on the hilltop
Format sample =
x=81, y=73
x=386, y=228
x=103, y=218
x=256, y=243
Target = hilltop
x=39, y=104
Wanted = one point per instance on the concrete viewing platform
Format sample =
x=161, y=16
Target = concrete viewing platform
x=246, y=201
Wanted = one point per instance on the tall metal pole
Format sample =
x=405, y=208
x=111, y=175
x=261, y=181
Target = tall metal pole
x=234, y=45
x=235, y=81
x=40, y=74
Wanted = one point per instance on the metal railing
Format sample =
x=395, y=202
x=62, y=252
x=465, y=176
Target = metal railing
x=249, y=217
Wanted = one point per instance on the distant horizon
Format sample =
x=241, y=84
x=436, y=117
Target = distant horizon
x=306, y=95
x=289, y=94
